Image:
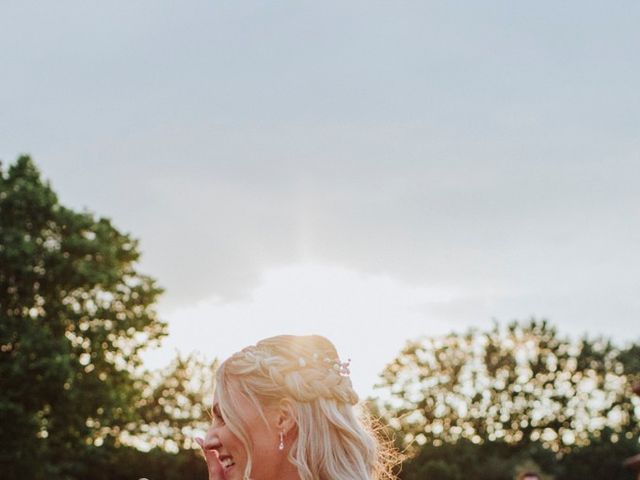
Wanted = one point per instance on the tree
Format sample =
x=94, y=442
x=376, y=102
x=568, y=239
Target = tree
x=173, y=407
x=499, y=460
x=111, y=462
x=601, y=459
x=518, y=384
x=465, y=460
x=74, y=316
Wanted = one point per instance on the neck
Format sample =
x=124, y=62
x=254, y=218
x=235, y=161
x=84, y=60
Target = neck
x=287, y=470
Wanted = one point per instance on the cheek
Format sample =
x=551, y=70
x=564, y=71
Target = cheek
x=265, y=454
x=233, y=446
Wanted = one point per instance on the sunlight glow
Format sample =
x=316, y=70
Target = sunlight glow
x=368, y=317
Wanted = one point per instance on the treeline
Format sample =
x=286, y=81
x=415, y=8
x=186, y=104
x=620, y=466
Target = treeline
x=601, y=459
x=75, y=402
x=111, y=462
x=488, y=404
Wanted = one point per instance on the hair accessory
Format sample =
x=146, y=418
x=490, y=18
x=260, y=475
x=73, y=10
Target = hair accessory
x=344, y=367
x=341, y=367
x=334, y=364
x=281, y=444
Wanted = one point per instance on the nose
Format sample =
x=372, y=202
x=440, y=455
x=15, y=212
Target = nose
x=211, y=439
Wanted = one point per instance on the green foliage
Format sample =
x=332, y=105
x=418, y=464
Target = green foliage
x=601, y=459
x=74, y=316
x=464, y=460
x=173, y=406
x=517, y=384
x=111, y=462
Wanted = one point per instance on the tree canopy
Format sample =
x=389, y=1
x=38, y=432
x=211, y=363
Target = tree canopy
x=499, y=460
x=174, y=403
x=518, y=383
x=75, y=313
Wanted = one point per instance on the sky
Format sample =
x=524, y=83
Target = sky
x=370, y=171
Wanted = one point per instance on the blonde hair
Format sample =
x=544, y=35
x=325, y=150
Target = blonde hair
x=335, y=439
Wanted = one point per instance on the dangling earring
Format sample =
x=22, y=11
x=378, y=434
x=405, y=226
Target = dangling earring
x=281, y=445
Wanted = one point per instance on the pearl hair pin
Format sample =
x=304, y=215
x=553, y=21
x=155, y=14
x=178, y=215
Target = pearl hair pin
x=343, y=368
x=334, y=364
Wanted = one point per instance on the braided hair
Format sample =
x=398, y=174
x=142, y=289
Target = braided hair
x=335, y=439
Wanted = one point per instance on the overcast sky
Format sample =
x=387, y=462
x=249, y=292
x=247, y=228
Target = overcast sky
x=371, y=171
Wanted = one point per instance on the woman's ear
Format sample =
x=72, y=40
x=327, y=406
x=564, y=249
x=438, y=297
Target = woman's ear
x=285, y=418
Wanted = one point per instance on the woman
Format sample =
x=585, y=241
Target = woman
x=285, y=409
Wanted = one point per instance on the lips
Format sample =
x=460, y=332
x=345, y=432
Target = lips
x=226, y=461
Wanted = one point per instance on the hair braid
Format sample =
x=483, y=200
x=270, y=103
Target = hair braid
x=304, y=378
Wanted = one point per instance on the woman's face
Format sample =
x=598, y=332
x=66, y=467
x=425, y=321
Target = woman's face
x=263, y=437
